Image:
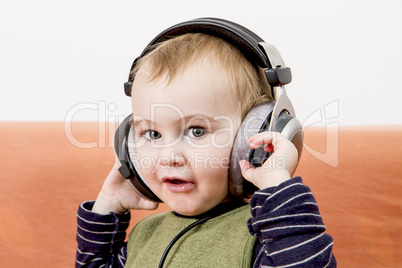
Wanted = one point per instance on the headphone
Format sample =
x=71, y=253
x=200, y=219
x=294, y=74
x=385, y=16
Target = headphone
x=277, y=115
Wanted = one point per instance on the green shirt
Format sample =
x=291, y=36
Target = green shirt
x=223, y=241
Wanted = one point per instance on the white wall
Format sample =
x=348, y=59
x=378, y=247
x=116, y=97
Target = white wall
x=69, y=59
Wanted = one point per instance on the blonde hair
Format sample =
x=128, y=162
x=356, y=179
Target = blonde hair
x=172, y=56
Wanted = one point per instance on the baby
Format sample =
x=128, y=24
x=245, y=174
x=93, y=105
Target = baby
x=189, y=97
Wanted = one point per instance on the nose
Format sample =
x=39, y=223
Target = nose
x=172, y=160
x=173, y=155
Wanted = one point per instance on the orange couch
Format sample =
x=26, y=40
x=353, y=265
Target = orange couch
x=45, y=175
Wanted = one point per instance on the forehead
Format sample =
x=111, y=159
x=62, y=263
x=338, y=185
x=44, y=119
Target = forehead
x=201, y=88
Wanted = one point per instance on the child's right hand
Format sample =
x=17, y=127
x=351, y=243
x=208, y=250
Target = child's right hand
x=278, y=167
x=118, y=195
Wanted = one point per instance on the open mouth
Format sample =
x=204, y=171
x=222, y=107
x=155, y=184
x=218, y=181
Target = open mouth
x=177, y=181
x=178, y=185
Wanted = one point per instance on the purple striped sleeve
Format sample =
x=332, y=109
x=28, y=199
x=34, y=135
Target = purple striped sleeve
x=101, y=238
x=288, y=223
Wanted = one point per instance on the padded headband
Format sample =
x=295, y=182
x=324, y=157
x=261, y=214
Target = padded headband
x=247, y=42
x=242, y=38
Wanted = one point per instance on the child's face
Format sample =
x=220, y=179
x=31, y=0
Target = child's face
x=184, y=133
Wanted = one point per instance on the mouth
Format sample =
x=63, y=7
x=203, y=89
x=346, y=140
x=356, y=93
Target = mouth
x=177, y=181
x=175, y=184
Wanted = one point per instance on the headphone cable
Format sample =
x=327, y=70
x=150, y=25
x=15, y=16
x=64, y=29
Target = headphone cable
x=185, y=230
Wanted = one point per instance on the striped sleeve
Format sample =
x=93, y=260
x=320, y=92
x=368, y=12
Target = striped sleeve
x=287, y=221
x=101, y=238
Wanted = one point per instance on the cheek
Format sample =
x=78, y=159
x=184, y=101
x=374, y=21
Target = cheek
x=212, y=161
x=221, y=140
x=225, y=134
x=147, y=161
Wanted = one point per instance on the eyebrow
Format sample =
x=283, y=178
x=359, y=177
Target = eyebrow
x=186, y=118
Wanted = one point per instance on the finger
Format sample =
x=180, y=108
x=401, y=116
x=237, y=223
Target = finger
x=268, y=148
x=263, y=138
x=147, y=205
x=246, y=170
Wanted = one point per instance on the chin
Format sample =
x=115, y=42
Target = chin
x=189, y=206
x=187, y=211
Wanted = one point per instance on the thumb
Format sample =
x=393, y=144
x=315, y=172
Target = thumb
x=247, y=170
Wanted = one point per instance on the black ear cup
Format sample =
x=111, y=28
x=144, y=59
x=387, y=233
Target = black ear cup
x=256, y=118
x=290, y=127
x=256, y=121
x=287, y=125
x=126, y=154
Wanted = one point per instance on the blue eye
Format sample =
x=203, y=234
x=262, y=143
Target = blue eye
x=152, y=135
x=196, y=132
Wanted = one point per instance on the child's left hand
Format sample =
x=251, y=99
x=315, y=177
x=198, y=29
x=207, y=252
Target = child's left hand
x=278, y=167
